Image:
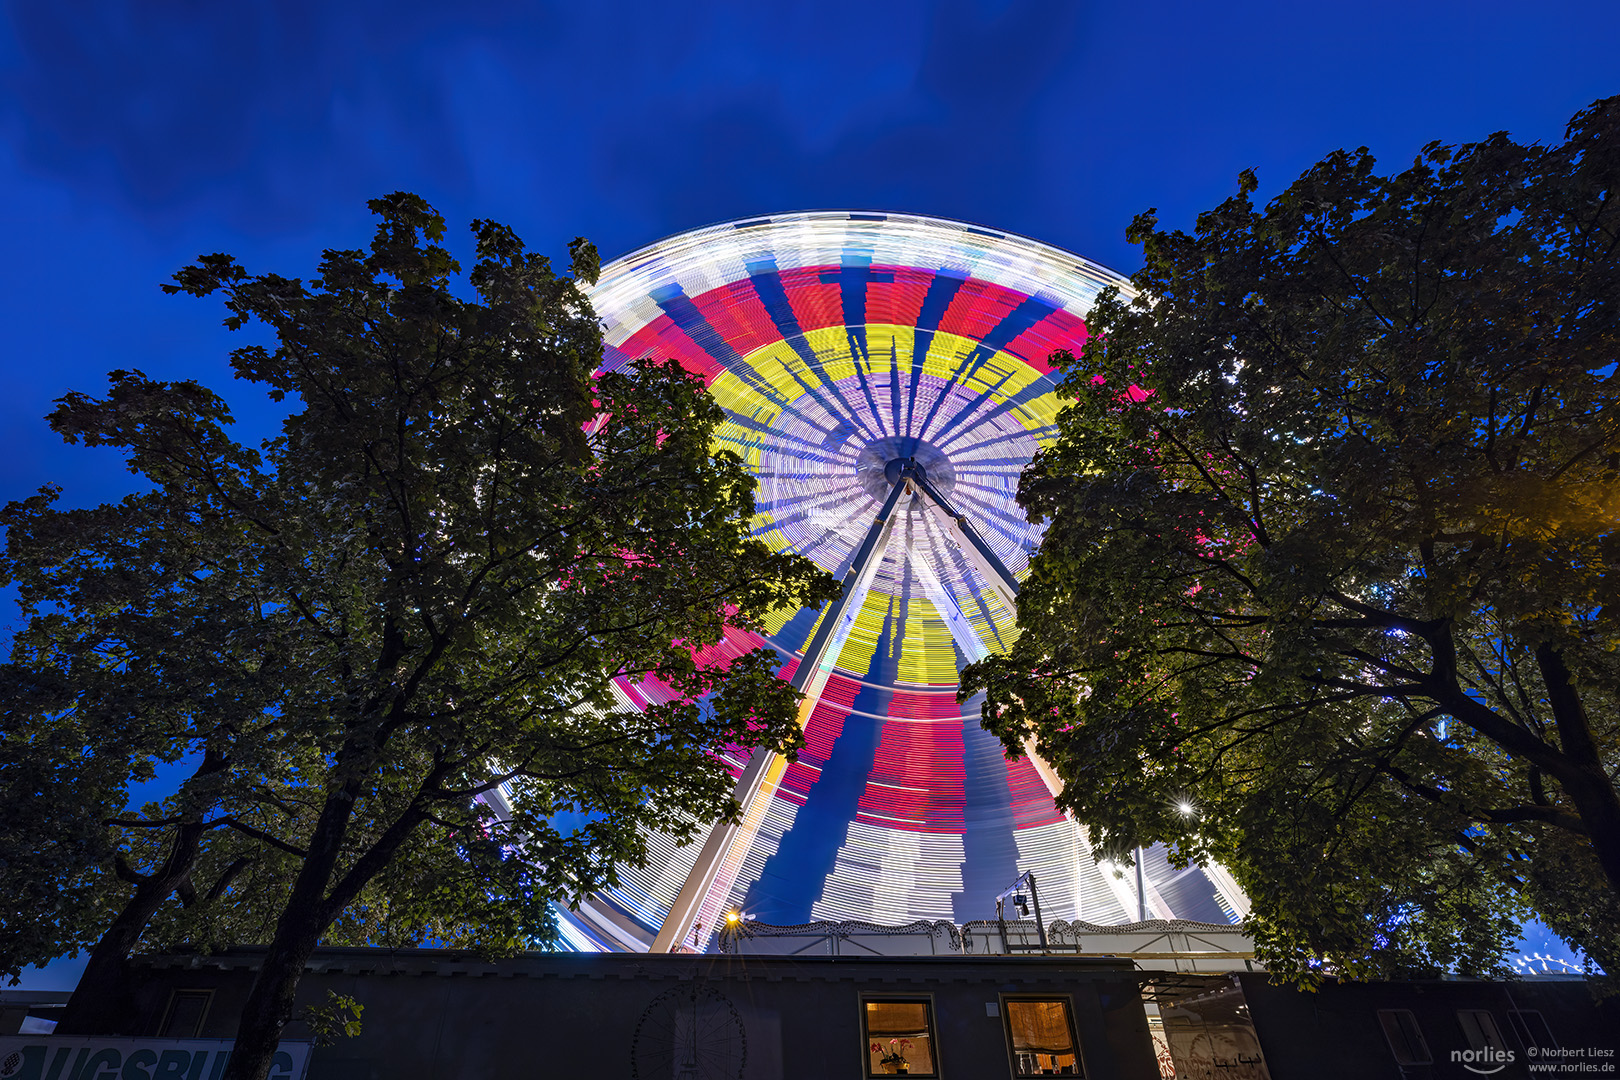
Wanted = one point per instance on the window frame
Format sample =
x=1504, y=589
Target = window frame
x=1417, y=1029
x=1067, y=1001
x=175, y=996
x=1482, y=1021
x=880, y=998
x=1521, y=1028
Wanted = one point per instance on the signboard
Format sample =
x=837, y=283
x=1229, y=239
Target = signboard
x=71, y=1057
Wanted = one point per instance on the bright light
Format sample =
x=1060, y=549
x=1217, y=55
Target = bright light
x=1185, y=808
x=766, y=299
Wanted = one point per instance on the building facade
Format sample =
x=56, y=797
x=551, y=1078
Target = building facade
x=839, y=1001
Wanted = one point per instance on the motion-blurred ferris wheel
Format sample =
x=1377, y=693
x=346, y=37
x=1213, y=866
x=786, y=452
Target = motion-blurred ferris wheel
x=885, y=377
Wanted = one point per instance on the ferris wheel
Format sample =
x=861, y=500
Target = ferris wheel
x=885, y=378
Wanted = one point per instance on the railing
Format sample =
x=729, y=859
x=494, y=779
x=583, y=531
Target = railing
x=921, y=938
x=1174, y=945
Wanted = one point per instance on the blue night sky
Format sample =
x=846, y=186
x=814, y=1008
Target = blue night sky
x=135, y=136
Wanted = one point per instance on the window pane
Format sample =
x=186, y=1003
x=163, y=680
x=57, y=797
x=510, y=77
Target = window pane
x=186, y=1011
x=1479, y=1028
x=1405, y=1037
x=1531, y=1028
x=1042, y=1038
x=898, y=1041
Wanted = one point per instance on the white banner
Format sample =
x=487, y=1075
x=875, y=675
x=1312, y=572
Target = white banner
x=72, y=1057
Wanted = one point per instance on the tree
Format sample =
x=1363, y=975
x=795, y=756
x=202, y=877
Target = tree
x=53, y=800
x=423, y=589
x=1332, y=556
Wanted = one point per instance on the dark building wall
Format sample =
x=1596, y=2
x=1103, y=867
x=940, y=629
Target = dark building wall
x=1335, y=1032
x=439, y=1015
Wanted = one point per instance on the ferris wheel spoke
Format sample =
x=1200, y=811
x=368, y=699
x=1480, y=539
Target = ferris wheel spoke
x=926, y=339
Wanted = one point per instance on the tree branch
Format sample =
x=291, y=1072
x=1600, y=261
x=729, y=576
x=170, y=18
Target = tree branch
x=259, y=835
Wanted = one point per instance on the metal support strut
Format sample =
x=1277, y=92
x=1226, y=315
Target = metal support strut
x=1028, y=876
x=714, y=870
x=720, y=859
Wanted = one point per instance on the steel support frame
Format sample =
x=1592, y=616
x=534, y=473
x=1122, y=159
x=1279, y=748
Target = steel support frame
x=763, y=774
x=1040, y=923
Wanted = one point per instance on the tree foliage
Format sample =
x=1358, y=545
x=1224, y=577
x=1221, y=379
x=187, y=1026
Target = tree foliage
x=1333, y=526
x=422, y=590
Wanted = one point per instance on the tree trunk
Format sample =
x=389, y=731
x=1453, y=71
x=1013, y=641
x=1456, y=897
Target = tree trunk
x=269, y=1005
x=314, y=903
x=1588, y=785
x=99, y=1003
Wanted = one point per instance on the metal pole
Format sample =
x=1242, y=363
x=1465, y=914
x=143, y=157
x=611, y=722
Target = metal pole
x=1141, y=890
x=973, y=546
x=759, y=780
x=1035, y=897
x=819, y=652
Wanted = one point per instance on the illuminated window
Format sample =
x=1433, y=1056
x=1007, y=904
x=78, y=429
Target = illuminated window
x=899, y=1037
x=187, y=1011
x=1406, y=1040
x=1041, y=1035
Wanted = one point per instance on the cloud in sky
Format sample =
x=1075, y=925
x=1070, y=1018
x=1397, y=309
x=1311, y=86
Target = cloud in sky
x=258, y=107
x=639, y=118
x=135, y=134
x=259, y=114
